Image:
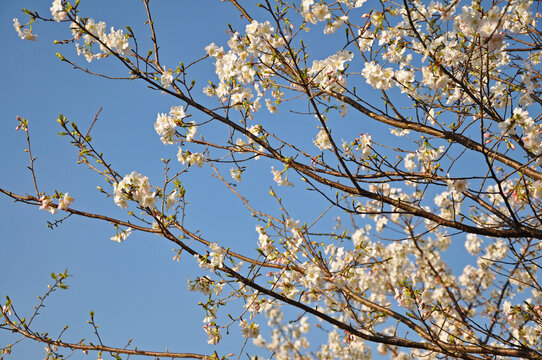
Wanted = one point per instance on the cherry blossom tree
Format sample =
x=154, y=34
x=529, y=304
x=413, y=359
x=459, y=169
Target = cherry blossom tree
x=425, y=134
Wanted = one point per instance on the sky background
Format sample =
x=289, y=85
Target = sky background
x=134, y=288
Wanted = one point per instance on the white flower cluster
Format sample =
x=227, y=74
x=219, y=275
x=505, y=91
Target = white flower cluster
x=238, y=64
x=408, y=161
x=520, y=118
x=333, y=26
x=57, y=10
x=192, y=131
x=265, y=242
x=530, y=130
x=515, y=316
x=135, y=187
x=317, y=12
x=205, y=285
x=95, y=33
x=213, y=332
x=166, y=79
x=449, y=203
x=459, y=186
x=366, y=40
x=255, y=130
x=214, y=259
x=344, y=347
x=165, y=124
x=277, y=177
x=314, y=277
x=378, y=77
x=64, y=203
x=236, y=174
x=287, y=337
x=471, y=23
x=364, y=143
x=190, y=158
x=251, y=330
x=433, y=78
x=427, y=155
x=314, y=12
x=322, y=141
x=360, y=236
x=361, y=144
x=121, y=235
x=536, y=189
x=165, y=127
x=327, y=73
x=25, y=34
x=473, y=244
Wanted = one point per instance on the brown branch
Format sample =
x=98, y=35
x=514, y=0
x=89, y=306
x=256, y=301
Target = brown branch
x=153, y=33
x=241, y=9
x=80, y=346
x=448, y=135
x=31, y=200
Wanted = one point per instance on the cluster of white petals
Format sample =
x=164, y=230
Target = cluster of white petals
x=165, y=127
x=57, y=10
x=25, y=34
x=205, y=285
x=378, y=77
x=213, y=332
x=95, y=34
x=327, y=73
x=190, y=158
x=121, y=235
x=134, y=187
x=214, y=260
x=265, y=242
x=279, y=178
x=166, y=124
x=64, y=202
x=251, y=330
x=322, y=141
x=166, y=79
x=46, y=204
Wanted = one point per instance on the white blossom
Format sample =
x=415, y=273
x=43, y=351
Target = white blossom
x=122, y=235
x=57, y=10
x=135, y=187
x=65, y=202
x=25, y=34
x=189, y=158
x=277, y=177
x=251, y=330
x=378, y=77
x=165, y=127
x=166, y=79
x=322, y=141
x=473, y=244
